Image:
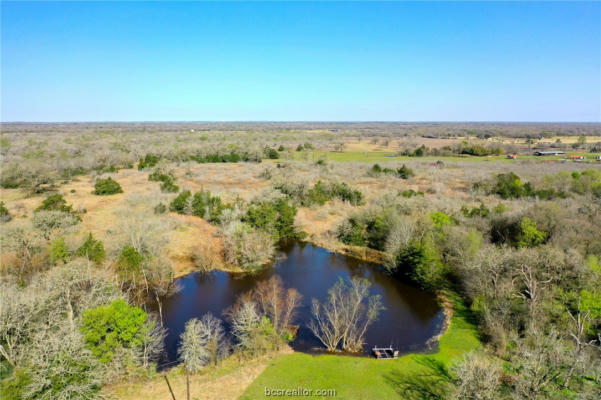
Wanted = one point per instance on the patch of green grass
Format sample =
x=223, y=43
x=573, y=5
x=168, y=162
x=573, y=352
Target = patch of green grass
x=360, y=377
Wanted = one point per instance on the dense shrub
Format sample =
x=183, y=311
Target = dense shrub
x=410, y=193
x=367, y=229
x=345, y=193
x=518, y=232
x=10, y=182
x=91, y=249
x=103, y=169
x=588, y=181
x=418, y=152
x=179, y=204
x=150, y=160
x=477, y=150
x=159, y=176
x=4, y=214
x=109, y=329
x=271, y=153
x=202, y=204
x=106, y=187
x=168, y=181
x=207, y=206
x=321, y=193
x=276, y=218
x=440, y=219
x=70, y=172
x=130, y=261
x=510, y=186
x=376, y=169
x=529, y=235
x=353, y=231
x=58, y=251
x=481, y=211
x=160, y=209
x=420, y=260
x=404, y=172
x=231, y=157
x=56, y=202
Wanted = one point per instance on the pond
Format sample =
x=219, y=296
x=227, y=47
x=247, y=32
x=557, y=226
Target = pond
x=411, y=317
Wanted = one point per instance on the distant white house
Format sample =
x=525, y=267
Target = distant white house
x=549, y=153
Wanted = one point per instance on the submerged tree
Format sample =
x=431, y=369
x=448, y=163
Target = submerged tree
x=346, y=315
x=253, y=331
x=277, y=303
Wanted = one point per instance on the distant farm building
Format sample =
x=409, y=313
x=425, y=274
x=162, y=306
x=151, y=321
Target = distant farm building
x=598, y=158
x=549, y=153
x=512, y=156
x=576, y=157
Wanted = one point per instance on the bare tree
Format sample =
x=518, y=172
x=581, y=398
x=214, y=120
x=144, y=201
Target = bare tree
x=193, y=351
x=159, y=280
x=51, y=223
x=533, y=286
x=206, y=256
x=328, y=320
x=399, y=236
x=477, y=378
x=246, y=247
x=540, y=360
x=580, y=322
x=203, y=342
x=213, y=335
x=244, y=318
x=345, y=317
x=26, y=243
x=153, y=343
x=278, y=304
x=253, y=331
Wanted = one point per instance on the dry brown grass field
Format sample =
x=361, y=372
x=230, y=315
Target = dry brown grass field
x=227, y=382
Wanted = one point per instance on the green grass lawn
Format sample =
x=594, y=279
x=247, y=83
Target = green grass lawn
x=360, y=377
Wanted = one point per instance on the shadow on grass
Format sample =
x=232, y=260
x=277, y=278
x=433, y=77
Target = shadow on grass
x=430, y=381
x=462, y=310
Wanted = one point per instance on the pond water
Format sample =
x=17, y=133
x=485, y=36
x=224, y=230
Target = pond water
x=411, y=317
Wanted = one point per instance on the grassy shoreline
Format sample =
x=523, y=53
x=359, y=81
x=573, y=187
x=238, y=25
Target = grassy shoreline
x=351, y=377
x=366, y=378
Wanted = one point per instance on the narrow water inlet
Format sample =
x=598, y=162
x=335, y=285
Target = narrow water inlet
x=411, y=315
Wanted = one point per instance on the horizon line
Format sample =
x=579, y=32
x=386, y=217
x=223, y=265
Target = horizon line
x=301, y=121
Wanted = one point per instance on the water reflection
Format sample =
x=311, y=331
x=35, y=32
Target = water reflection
x=411, y=317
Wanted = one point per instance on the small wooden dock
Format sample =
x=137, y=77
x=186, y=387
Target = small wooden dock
x=385, y=353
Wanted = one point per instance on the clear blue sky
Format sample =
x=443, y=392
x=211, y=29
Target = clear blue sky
x=301, y=61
